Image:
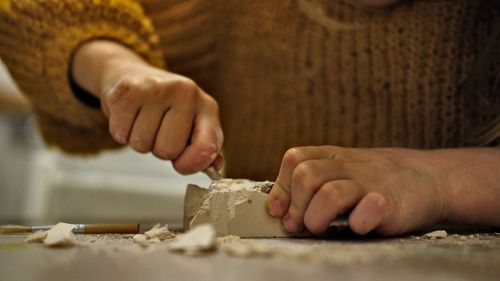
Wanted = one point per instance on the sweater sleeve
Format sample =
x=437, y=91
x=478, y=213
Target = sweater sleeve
x=37, y=42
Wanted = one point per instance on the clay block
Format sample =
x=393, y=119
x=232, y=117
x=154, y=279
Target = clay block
x=233, y=207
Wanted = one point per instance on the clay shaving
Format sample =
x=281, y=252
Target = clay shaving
x=200, y=239
x=156, y=234
x=234, y=246
x=241, y=248
x=36, y=237
x=61, y=235
x=438, y=234
x=160, y=232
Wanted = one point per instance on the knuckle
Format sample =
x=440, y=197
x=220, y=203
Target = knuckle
x=339, y=149
x=279, y=191
x=129, y=82
x=343, y=195
x=212, y=104
x=293, y=157
x=382, y=204
x=206, y=151
x=125, y=91
x=209, y=149
x=185, y=86
x=120, y=88
x=165, y=153
x=151, y=84
x=301, y=175
x=334, y=194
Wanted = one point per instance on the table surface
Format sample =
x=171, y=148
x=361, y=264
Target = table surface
x=459, y=256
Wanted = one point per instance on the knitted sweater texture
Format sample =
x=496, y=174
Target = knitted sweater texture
x=285, y=73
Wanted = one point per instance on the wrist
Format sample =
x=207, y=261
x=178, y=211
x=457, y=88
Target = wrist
x=97, y=62
x=470, y=184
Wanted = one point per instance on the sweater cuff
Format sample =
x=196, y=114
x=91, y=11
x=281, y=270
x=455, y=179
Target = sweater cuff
x=43, y=35
x=59, y=54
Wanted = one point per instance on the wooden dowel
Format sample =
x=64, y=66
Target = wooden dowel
x=111, y=228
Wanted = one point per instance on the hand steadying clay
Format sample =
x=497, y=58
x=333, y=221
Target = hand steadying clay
x=390, y=191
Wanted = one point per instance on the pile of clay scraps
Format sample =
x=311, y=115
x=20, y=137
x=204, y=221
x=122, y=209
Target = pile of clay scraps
x=61, y=235
x=198, y=240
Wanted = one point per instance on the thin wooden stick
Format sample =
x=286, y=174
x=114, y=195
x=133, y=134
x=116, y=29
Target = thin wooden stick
x=78, y=228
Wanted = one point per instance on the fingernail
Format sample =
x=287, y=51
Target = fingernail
x=275, y=208
x=289, y=224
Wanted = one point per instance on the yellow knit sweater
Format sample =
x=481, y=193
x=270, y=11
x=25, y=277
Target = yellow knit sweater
x=286, y=73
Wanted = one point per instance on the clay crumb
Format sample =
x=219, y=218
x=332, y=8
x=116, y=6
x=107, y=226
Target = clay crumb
x=36, y=237
x=140, y=239
x=61, y=235
x=243, y=248
x=236, y=247
x=200, y=239
x=160, y=232
x=438, y=234
x=155, y=235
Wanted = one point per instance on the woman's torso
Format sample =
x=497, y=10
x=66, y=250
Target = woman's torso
x=293, y=73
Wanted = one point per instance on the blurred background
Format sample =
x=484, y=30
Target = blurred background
x=44, y=186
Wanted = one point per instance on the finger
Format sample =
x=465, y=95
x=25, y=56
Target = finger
x=206, y=141
x=279, y=197
x=369, y=213
x=331, y=200
x=307, y=178
x=218, y=163
x=145, y=128
x=173, y=135
x=122, y=114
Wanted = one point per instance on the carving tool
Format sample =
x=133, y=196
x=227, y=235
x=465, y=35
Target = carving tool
x=78, y=229
x=212, y=173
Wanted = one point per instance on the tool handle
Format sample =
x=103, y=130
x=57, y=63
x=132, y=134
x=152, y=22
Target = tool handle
x=111, y=228
x=11, y=229
x=212, y=173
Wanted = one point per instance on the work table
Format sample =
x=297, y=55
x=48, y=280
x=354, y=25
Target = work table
x=461, y=255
